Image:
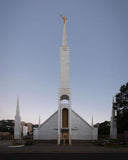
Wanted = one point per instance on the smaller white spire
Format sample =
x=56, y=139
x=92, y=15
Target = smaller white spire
x=17, y=108
x=17, y=128
x=113, y=111
x=113, y=100
x=113, y=128
x=92, y=121
x=39, y=120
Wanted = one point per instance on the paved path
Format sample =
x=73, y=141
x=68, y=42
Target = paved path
x=53, y=148
x=64, y=156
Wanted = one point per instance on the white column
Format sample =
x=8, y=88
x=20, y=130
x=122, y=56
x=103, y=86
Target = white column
x=58, y=136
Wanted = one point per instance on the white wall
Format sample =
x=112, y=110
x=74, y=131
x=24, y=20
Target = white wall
x=48, y=130
x=81, y=130
x=25, y=130
x=35, y=134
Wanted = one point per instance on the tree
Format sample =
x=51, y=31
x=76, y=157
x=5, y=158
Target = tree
x=104, y=129
x=121, y=106
x=7, y=126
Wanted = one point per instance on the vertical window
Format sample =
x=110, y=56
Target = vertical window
x=65, y=118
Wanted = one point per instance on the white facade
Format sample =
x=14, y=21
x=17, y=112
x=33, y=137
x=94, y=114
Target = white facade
x=17, y=127
x=80, y=129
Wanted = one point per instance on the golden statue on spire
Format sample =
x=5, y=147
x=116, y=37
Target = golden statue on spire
x=64, y=18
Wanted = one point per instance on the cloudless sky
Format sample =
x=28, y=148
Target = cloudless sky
x=30, y=39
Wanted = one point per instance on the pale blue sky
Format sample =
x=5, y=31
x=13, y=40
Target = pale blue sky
x=30, y=39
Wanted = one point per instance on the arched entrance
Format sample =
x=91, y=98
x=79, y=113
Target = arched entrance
x=65, y=106
x=65, y=118
x=65, y=125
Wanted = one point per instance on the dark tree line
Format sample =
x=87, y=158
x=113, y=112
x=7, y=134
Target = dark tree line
x=7, y=126
x=121, y=105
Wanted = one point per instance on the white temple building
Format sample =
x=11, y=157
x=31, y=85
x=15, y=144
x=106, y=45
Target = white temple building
x=17, y=127
x=65, y=123
x=25, y=130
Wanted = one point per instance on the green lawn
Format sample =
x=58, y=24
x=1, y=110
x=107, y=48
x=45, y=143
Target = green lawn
x=115, y=146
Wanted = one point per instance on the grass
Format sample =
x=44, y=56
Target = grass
x=16, y=144
x=115, y=146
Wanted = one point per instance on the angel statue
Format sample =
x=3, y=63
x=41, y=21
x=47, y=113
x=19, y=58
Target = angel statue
x=64, y=18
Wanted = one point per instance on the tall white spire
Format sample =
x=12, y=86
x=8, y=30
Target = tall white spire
x=64, y=90
x=64, y=43
x=64, y=60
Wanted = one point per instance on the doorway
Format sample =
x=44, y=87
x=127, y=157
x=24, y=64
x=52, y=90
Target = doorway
x=65, y=118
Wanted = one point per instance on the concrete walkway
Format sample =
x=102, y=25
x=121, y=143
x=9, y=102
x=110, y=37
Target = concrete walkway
x=53, y=148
